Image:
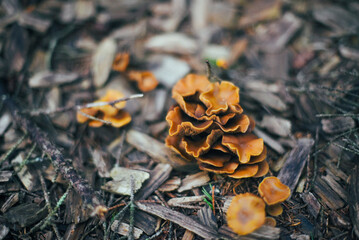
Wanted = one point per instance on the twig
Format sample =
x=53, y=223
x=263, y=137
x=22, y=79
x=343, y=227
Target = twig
x=79, y=107
x=132, y=210
x=347, y=149
x=155, y=235
x=214, y=209
x=170, y=231
x=209, y=70
x=118, y=217
x=13, y=148
x=94, y=118
x=337, y=115
x=65, y=167
x=48, y=203
x=42, y=224
x=315, y=163
x=84, y=235
x=26, y=160
x=335, y=138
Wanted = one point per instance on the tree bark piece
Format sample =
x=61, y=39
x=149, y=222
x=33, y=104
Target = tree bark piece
x=327, y=195
x=158, y=176
x=180, y=219
x=293, y=167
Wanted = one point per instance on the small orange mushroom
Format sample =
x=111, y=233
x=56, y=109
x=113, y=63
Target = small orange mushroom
x=270, y=222
x=273, y=191
x=110, y=113
x=246, y=213
x=274, y=210
x=146, y=81
x=120, y=119
x=121, y=62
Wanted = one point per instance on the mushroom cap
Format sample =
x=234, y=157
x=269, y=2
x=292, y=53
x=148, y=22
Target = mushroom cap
x=189, y=85
x=228, y=167
x=246, y=213
x=263, y=168
x=175, y=143
x=244, y=146
x=220, y=97
x=215, y=158
x=270, y=222
x=186, y=93
x=121, y=62
x=235, y=124
x=199, y=144
x=273, y=191
x=119, y=120
x=82, y=118
x=180, y=123
x=146, y=81
x=245, y=171
x=111, y=95
x=274, y=210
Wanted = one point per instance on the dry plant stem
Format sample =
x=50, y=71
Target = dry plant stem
x=58, y=204
x=335, y=138
x=94, y=118
x=209, y=70
x=132, y=210
x=26, y=160
x=48, y=203
x=214, y=207
x=338, y=115
x=84, y=106
x=155, y=235
x=89, y=231
x=12, y=149
x=60, y=164
x=315, y=163
x=43, y=223
x=121, y=214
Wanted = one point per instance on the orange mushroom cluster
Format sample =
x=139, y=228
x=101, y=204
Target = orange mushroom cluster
x=114, y=114
x=247, y=212
x=208, y=126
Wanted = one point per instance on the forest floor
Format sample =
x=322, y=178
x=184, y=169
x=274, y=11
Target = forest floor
x=295, y=62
